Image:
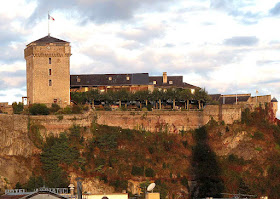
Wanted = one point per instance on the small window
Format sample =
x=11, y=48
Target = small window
x=50, y=71
x=110, y=78
x=192, y=91
x=127, y=78
x=50, y=60
x=154, y=82
x=55, y=101
x=170, y=82
x=50, y=82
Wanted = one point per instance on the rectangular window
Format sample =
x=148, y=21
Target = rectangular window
x=50, y=82
x=110, y=78
x=50, y=60
x=154, y=82
x=127, y=78
x=170, y=82
x=55, y=101
x=50, y=71
x=78, y=79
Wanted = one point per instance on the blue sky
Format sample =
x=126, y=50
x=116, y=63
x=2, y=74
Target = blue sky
x=224, y=46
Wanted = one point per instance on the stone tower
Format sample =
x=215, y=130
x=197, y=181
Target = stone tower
x=48, y=71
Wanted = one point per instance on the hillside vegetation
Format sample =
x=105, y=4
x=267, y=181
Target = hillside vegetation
x=240, y=158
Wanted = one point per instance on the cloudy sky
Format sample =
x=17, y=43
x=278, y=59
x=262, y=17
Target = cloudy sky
x=225, y=46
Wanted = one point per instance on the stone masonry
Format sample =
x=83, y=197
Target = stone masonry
x=48, y=71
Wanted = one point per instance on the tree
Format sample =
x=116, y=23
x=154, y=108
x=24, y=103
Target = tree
x=78, y=97
x=121, y=95
x=141, y=96
x=201, y=96
x=34, y=182
x=157, y=95
x=17, y=107
x=93, y=95
x=172, y=94
x=186, y=95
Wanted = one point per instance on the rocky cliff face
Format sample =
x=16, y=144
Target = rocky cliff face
x=16, y=151
x=248, y=147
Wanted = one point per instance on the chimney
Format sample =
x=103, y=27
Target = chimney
x=164, y=77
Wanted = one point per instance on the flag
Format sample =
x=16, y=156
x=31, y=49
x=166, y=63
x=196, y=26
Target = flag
x=50, y=17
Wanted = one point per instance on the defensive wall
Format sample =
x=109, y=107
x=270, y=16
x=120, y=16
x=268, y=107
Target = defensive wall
x=171, y=121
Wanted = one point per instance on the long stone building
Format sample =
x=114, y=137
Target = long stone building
x=130, y=82
x=49, y=81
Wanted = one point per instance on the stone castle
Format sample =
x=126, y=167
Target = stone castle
x=48, y=71
x=49, y=80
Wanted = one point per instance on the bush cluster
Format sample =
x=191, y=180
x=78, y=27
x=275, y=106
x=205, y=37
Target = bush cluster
x=17, y=107
x=39, y=109
x=42, y=109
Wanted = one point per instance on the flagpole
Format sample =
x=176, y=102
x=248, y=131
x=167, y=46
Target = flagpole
x=48, y=24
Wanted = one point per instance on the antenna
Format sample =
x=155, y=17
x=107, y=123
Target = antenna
x=151, y=187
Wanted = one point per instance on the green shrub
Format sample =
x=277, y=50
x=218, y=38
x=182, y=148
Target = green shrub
x=137, y=171
x=144, y=109
x=67, y=110
x=35, y=135
x=232, y=158
x=149, y=172
x=76, y=109
x=185, y=143
x=258, y=148
x=60, y=117
x=258, y=135
x=151, y=149
x=246, y=117
x=54, y=108
x=235, y=159
x=17, y=107
x=18, y=186
x=120, y=184
x=39, y=109
x=149, y=107
x=185, y=182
